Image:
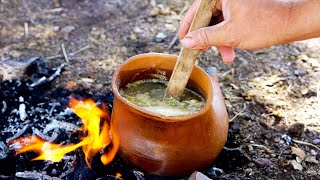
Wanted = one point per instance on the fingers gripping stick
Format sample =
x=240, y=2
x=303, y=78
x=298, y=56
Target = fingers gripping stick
x=187, y=57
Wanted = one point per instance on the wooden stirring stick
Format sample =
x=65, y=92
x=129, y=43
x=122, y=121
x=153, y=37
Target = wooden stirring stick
x=187, y=57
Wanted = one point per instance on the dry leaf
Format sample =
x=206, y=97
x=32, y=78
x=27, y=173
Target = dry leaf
x=299, y=152
x=296, y=165
x=312, y=159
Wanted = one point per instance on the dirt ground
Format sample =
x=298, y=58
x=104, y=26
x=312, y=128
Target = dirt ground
x=269, y=93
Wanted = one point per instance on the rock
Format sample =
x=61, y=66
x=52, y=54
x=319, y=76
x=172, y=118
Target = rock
x=304, y=90
x=316, y=141
x=277, y=139
x=299, y=152
x=71, y=85
x=155, y=11
x=304, y=57
x=160, y=37
x=296, y=165
x=88, y=80
x=137, y=30
x=262, y=162
x=198, y=176
x=165, y=11
x=66, y=30
x=296, y=129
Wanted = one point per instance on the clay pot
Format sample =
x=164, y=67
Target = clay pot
x=167, y=145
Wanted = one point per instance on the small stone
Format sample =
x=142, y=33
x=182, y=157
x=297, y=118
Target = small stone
x=296, y=129
x=313, y=152
x=316, y=141
x=67, y=29
x=154, y=11
x=262, y=162
x=88, y=80
x=250, y=148
x=165, y=11
x=71, y=85
x=198, y=176
x=304, y=57
x=86, y=85
x=277, y=139
x=304, y=90
x=160, y=37
x=137, y=30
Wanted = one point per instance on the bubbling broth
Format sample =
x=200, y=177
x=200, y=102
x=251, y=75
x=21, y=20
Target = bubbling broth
x=149, y=94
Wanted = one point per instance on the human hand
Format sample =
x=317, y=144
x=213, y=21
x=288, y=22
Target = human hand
x=244, y=24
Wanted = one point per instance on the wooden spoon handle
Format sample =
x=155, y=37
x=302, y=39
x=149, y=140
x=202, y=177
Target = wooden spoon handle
x=187, y=57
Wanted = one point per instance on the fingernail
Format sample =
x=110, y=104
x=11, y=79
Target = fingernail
x=212, y=70
x=188, y=42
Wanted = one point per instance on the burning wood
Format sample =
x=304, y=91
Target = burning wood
x=94, y=141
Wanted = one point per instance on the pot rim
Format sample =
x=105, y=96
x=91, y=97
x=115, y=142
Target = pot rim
x=156, y=116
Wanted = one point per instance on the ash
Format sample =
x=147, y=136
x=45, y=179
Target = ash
x=33, y=105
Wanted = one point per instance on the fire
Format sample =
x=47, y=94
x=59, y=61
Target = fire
x=94, y=140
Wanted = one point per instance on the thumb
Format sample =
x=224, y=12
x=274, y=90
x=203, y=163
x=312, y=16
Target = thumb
x=207, y=36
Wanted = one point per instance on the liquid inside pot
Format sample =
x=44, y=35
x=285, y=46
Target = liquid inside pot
x=149, y=94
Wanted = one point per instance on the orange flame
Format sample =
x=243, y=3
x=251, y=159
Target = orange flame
x=92, y=143
x=118, y=175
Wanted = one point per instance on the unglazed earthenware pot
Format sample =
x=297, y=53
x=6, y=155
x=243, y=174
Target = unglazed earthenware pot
x=168, y=145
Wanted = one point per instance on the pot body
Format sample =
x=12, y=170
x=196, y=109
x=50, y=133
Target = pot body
x=167, y=145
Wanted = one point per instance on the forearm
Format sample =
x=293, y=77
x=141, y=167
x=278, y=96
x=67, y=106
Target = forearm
x=303, y=20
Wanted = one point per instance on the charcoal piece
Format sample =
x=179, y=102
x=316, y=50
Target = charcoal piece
x=8, y=166
x=296, y=129
x=37, y=69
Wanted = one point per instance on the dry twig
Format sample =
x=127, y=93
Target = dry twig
x=239, y=113
x=70, y=54
x=26, y=29
x=305, y=143
x=64, y=53
x=173, y=41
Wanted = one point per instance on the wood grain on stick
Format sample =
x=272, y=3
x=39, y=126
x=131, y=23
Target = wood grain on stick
x=187, y=57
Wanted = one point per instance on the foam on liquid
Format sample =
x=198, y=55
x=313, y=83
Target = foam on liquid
x=149, y=94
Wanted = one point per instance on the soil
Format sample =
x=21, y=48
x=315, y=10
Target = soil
x=271, y=94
